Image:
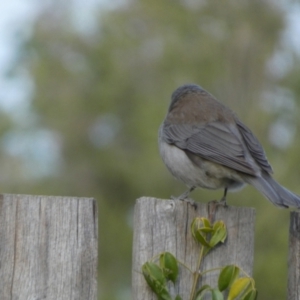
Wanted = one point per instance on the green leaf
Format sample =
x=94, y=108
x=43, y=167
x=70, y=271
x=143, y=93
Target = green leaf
x=218, y=236
x=204, y=287
x=178, y=298
x=202, y=240
x=227, y=276
x=156, y=280
x=239, y=287
x=205, y=290
x=169, y=266
x=202, y=224
x=196, y=226
x=206, y=222
x=218, y=224
x=216, y=295
x=154, y=276
x=252, y=295
x=206, y=229
x=202, y=291
x=164, y=295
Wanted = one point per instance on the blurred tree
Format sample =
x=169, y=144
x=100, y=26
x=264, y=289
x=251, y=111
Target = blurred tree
x=104, y=93
x=10, y=163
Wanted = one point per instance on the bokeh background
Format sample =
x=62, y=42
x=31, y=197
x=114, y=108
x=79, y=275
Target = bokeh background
x=84, y=86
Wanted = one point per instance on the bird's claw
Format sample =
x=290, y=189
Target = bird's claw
x=222, y=202
x=185, y=199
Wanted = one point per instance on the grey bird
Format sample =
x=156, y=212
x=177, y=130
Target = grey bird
x=204, y=144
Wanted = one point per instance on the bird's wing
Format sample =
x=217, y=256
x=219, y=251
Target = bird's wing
x=214, y=141
x=254, y=147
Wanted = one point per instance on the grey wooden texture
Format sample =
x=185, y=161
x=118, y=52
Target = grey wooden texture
x=294, y=257
x=48, y=248
x=164, y=225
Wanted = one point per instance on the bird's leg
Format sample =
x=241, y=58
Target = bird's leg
x=185, y=196
x=223, y=199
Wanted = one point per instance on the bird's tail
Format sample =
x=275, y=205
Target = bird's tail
x=272, y=190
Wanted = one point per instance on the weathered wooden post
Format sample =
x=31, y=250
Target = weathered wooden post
x=48, y=247
x=161, y=225
x=294, y=257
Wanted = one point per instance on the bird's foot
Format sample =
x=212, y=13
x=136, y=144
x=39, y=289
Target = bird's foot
x=181, y=197
x=191, y=202
x=223, y=202
x=185, y=199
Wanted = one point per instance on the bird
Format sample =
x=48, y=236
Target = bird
x=204, y=144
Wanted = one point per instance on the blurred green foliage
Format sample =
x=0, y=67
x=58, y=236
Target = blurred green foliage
x=104, y=94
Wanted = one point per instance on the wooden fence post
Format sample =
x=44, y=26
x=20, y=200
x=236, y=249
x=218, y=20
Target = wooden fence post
x=48, y=247
x=161, y=225
x=294, y=257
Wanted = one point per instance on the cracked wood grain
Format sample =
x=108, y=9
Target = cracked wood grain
x=48, y=247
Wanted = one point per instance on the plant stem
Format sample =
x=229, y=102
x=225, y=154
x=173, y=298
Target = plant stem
x=211, y=270
x=184, y=265
x=197, y=274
